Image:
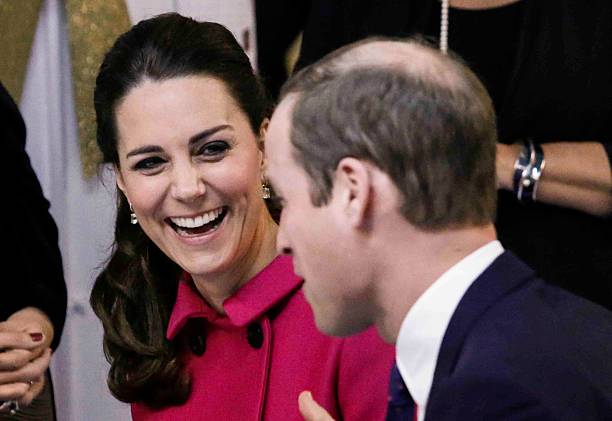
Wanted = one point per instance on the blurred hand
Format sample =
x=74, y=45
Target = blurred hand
x=24, y=355
x=311, y=410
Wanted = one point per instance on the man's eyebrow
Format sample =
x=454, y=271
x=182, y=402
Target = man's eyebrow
x=192, y=140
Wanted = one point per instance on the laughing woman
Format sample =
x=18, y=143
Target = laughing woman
x=202, y=320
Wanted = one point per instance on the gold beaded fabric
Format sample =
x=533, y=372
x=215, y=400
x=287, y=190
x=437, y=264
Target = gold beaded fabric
x=93, y=25
x=18, y=21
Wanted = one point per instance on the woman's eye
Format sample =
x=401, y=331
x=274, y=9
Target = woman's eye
x=277, y=202
x=148, y=163
x=213, y=149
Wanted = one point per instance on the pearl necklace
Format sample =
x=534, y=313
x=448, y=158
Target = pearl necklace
x=444, y=27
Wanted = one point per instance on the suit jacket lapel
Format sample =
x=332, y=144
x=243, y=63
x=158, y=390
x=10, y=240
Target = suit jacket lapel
x=506, y=273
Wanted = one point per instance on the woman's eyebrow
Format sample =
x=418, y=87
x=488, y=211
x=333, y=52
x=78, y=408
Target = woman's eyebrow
x=143, y=150
x=207, y=133
x=192, y=140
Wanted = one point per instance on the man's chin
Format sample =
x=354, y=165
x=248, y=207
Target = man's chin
x=335, y=326
x=329, y=319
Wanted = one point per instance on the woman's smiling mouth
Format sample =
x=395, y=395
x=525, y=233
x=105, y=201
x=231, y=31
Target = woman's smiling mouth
x=202, y=224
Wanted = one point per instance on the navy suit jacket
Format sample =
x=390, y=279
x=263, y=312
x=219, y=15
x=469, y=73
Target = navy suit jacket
x=517, y=348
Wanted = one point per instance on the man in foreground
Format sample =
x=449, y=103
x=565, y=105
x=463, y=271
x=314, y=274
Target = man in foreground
x=384, y=155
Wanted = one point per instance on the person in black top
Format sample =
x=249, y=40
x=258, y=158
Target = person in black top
x=33, y=290
x=548, y=67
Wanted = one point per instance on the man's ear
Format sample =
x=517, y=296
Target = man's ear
x=353, y=185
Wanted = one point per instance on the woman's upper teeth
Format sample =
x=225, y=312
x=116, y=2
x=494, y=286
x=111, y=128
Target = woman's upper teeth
x=197, y=221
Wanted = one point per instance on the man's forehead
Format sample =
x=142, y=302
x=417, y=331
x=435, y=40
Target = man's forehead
x=277, y=138
x=382, y=52
x=407, y=55
x=285, y=108
x=280, y=123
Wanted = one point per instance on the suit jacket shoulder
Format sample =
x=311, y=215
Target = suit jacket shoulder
x=518, y=348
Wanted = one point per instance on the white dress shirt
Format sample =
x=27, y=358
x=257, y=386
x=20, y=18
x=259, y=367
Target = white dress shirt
x=423, y=328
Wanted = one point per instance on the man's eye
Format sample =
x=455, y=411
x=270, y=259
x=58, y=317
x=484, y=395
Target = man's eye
x=148, y=163
x=215, y=148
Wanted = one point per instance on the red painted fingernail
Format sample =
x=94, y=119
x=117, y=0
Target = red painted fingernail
x=36, y=337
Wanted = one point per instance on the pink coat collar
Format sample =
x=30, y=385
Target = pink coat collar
x=253, y=299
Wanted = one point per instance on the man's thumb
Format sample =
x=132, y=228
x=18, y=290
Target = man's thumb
x=311, y=410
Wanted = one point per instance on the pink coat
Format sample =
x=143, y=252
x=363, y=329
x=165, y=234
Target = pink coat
x=255, y=361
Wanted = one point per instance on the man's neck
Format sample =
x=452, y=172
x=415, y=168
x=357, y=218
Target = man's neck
x=411, y=262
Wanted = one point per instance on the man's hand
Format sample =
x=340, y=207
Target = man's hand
x=311, y=410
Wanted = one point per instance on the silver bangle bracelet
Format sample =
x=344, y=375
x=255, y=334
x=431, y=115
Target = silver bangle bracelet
x=528, y=171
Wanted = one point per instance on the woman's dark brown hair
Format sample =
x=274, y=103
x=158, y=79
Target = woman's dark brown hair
x=134, y=294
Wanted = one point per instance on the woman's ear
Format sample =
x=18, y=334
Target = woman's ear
x=119, y=179
x=263, y=129
x=261, y=139
x=353, y=185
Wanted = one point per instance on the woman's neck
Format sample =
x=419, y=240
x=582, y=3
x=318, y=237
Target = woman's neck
x=216, y=288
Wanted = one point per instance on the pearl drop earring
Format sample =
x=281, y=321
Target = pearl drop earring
x=133, y=217
x=265, y=191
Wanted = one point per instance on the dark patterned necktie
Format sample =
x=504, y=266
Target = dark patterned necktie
x=401, y=406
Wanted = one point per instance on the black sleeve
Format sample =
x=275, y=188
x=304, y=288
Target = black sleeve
x=278, y=24
x=332, y=24
x=325, y=30
x=32, y=267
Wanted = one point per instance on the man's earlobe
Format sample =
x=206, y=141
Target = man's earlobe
x=353, y=184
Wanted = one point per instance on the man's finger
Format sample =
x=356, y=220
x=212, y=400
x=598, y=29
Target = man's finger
x=311, y=410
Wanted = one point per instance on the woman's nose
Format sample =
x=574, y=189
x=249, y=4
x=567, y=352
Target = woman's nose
x=188, y=184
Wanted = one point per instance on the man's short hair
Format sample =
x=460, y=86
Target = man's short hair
x=421, y=117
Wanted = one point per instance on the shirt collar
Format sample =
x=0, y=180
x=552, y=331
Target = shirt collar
x=423, y=328
x=275, y=282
